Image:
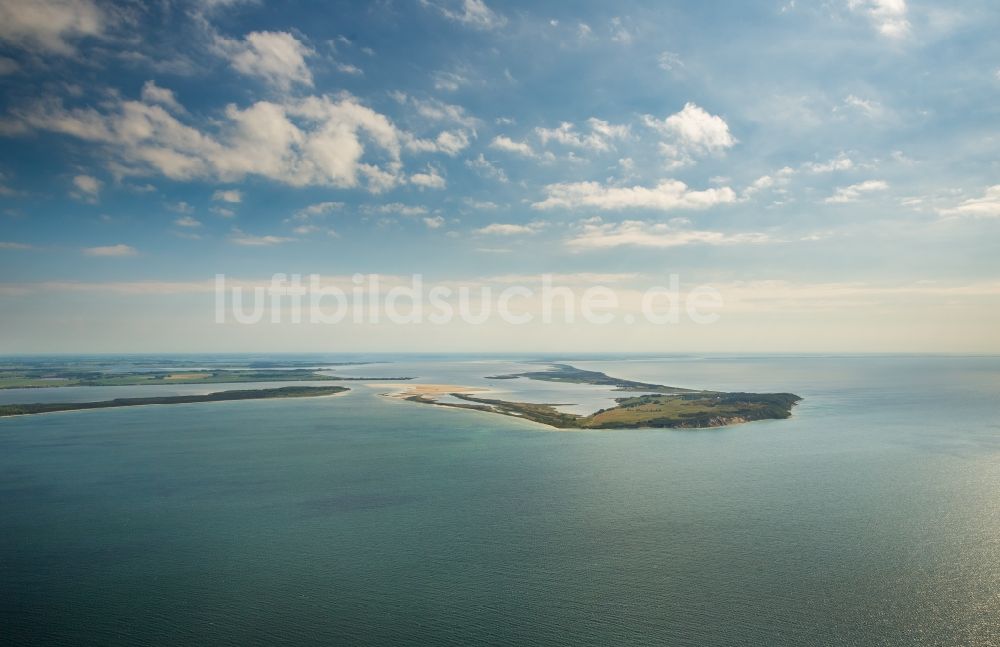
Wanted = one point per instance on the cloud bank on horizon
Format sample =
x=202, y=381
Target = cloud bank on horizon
x=854, y=142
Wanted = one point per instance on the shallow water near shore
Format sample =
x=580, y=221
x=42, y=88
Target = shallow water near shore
x=872, y=516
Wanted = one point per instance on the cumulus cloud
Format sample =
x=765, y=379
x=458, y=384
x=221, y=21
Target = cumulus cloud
x=599, y=137
x=596, y=234
x=449, y=142
x=868, y=107
x=110, y=250
x=233, y=196
x=438, y=111
x=888, y=16
x=277, y=57
x=187, y=221
x=690, y=133
x=320, y=208
x=152, y=93
x=433, y=222
x=473, y=13
x=487, y=169
x=398, y=208
x=88, y=188
x=840, y=163
x=854, y=192
x=429, y=180
x=509, y=229
x=317, y=140
x=669, y=61
x=49, y=26
x=987, y=206
x=239, y=237
x=504, y=143
x=665, y=196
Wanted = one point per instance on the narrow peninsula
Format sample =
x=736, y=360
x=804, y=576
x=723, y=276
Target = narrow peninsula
x=653, y=405
x=219, y=396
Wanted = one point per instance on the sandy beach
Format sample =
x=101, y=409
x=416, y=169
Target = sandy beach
x=401, y=390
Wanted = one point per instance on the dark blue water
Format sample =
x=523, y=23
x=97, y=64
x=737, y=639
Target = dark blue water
x=872, y=517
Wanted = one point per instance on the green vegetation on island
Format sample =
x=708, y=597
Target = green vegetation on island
x=660, y=407
x=220, y=396
x=571, y=374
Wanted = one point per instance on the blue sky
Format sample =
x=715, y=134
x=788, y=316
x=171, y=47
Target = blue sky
x=831, y=168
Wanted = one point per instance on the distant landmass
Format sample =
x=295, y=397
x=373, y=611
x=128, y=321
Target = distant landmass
x=28, y=376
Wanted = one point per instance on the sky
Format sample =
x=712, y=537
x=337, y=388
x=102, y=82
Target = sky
x=830, y=168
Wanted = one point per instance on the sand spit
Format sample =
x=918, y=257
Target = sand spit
x=403, y=391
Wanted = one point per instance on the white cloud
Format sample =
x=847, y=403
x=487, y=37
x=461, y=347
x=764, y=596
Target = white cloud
x=473, y=13
x=760, y=184
x=320, y=209
x=10, y=245
x=152, y=93
x=449, y=142
x=691, y=132
x=438, y=111
x=275, y=56
x=305, y=230
x=840, y=163
x=234, y=196
x=889, y=16
x=429, y=180
x=347, y=68
x=988, y=206
x=600, y=138
x=398, y=208
x=868, y=107
x=181, y=207
x=240, y=238
x=854, y=192
x=49, y=25
x=482, y=205
x=595, y=234
x=110, y=250
x=669, y=61
x=433, y=222
x=449, y=81
x=187, y=221
x=619, y=33
x=509, y=229
x=487, y=169
x=504, y=143
x=665, y=196
x=87, y=188
x=299, y=142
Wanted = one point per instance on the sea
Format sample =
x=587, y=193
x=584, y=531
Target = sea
x=870, y=517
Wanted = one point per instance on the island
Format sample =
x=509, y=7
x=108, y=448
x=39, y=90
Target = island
x=655, y=406
x=219, y=396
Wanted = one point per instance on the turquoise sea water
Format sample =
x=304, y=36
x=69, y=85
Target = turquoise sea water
x=872, y=517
